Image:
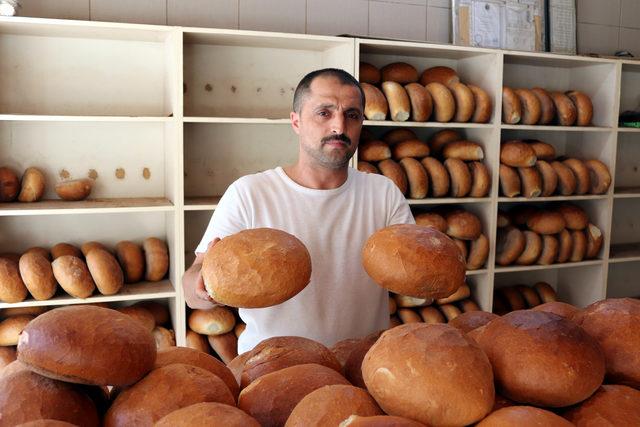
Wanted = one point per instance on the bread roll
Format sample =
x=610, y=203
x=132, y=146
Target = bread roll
x=463, y=225
x=599, y=176
x=463, y=150
x=408, y=316
x=393, y=306
x=236, y=365
x=594, y=241
x=531, y=108
x=396, y=135
x=164, y=338
x=509, y=245
x=483, y=103
x=9, y=185
x=12, y=288
x=539, y=376
x=520, y=214
x=271, y=398
x=547, y=107
x=239, y=329
x=471, y=320
x=478, y=253
x=584, y=107
x=367, y=168
x=517, y=153
x=417, y=177
x=579, y=249
x=40, y=251
x=369, y=74
x=556, y=307
x=342, y=349
x=524, y=416
x=550, y=250
x=207, y=414
x=410, y=148
x=74, y=190
x=462, y=293
x=89, y=246
x=450, y=311
x=156, y=257
x=131, y=260
x=509, y=181
x=442, y=138
x=465, y=102
x=196, y=341
x=37, y=275
x=432, y=315
x=61, y=249
x=421, y=102
x=374, y=151
x=399, y=72
x=513, y=297
x=612, y=405
x=581, y=173
x=225, y=346
x=462, y=245
x=542, y=150
x=105, y=271
x=439, y=74
x=7, y=355
x=565, y=246
x=566, y=179
x=444, y=103
x=480, y=179
x=532, y=250
x=549, y=178
x=379, y=421
x=142, y=315
x=413, y=260
x=376, y=106
x=511, y=107
x=394, y=321
x=531, y=182
x=11, y=328
x=460, y=177
x=529, y=294
x=500, y=306
x=11, y=256
x=214, y=321
x=418, y=356
x=546, y=292
x=353, y=365
x=574, y=216
x=32, y=185
x=399, y=105
x=438, y=176
x=395, y=173
x=566, y=112
x=612, y=323
x=432, y=219
x=160, y=311
x=68, y=343
x=503, y=219
x=546, y=222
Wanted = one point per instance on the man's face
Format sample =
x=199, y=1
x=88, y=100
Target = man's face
x=329, y=122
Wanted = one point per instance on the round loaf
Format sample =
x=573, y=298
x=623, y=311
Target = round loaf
x=414, y=260
x=89, y=246
x=131, y=260
x=599, y=176
x=450, y=311
x=444, y=103
x=399, y=72
x=419, y=356
x=11, y=328
x=612, y=322
x=236, y=365
x=567, y=182
x=207, y=414
x=395, y=173
x=463, y=150
x=584, y=107
x=513, y=297
x=532, y=248
x=353, y=366
x=376, y=106
x=531, y=182
x=18, y=311
x=160, y=311
x=7, y=355
x=68, y=343
x=594, y=241
x=538, y=376
x=484, y=105
x=47, y=423
x=410, y=148
x=431, y=315
x=480, y=179
x=468, y=305
x=396, y=135
x=407, y=315
x=225, y=346
x=62, y=249
x=432, y=219
x=562, y=309
x=517, y=153
x=574, y=216
x=503, y=219
x=40, y=251
x=611, y=405
x=164, y=338
x=521, y=213
x=542, y=150
x=342, y=349
x=399, y=104
x=531, y=108
x=196, y=341
x=417, y=177
x=460, y=177
x=440, y=74
x=12, y=288
x=529, y=295
x=550, y=250
x=32, y=185
x=581, y=173
x=9, y=185
x=271, y=398
x=106, y=271
x=509, y=245
x=547, y=107
x=393, y=306
x=214, y=321
x=579, y=249
x=510, y=184
x=149, y=400
x=369, y=74
x=438, y=176
x=478, y=253
x=523, y=416
x=546, y=222
x=379, y=421
x=511, y=106
x=141, y=315
x=549, y=178
x=566, y=112
x=471, y=320
x=74, y=190
x=463, y=225
x=465, y=102
x=421, y=102
x=439, y=139
x=37, y=275
x=374, y=151
x=156, y=257
x=462, y=245
x=367, y=168
x=546, y=292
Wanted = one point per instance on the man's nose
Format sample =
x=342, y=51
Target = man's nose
x=337, y=124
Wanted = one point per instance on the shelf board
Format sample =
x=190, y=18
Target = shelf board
x=447, y=200
x=551, y=198
x=511, y=269
x=201, y=203
x=626, y=192
x=89, y=206
x=132, y=292
x=628, y=130
x=624, y=252
x=557, y=128
x=47, y=118
x=237, y=120
x=390, y=123
x=477, y=272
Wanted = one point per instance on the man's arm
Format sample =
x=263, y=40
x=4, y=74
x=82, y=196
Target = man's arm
x=195, y=293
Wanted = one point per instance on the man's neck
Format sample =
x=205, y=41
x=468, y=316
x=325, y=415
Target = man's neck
x=317, y=177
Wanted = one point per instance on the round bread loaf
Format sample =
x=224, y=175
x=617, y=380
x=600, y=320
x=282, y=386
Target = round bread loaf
x=550, y=250
x=421, y=102
x=196, y=341
x=398, y=99
x=17, y=311
x=546, y=222
x=271, y=398
x=414, y=260
x=236, y=365
x=613, y=323
x=442, y=138
x=594, y=241
x=367, y=168
x=460, y=177
x=410, y=148
x=46, y=423
x=12, y=288
x=239, y=329
x=439, y=74
x=379, y=421
x=214, y=321
x=369, y=74
x=131, y=260
x=566, y=112
x=584, y=107
x=574, y=216
x=450, y=311
x=342, y=349
x=160, y=311
x=432, y=219
x=69, y=344
x=517, y=153
x=463, y=150
x=483, y=103
x=7, y=355
x=547, y=107
x=546, y=292
x=278, y=353
x=353, y=366
x=26, y=396
x=538, y=376
x=478, y=253
x=395, y=173
x=581, y=173
x=511, y=106
x=62, y=249
x=149, y=400
x=256, y=268
x=74, y=190
x=465, y=102
x=40, y=251
x=207, y=414
x=567, y=182
x=532, y=248
x=189, y=356
x=549, y=178
x=599, y=176
x=393, y=307
x=11, y=328
x=531, y=108
x=408, y=315
x=156, y=259
x=514, y=299
x=462, y=245
x=225, y=346
x=106, y=271
x=419, y=356
x=9, y=185
x=611, y=405
x=140, y=314
x=399, y=72
x=332, y=404
x=530, y=295
x=471, y=320
x=374, y=151
x=376, y=105
x=523, y=416
x=480, y=179
x=89, y=246
x=32, y=185
x=562, y=309
x=37, y=275
x=503, y=219
x=543, y=150
x=510, y=184
x=521, y=213
x=463, y=225
x=164, y=338
x=531, y=182
x=438, y=176
x=396, y=135
x=579, y=249
x=416, y=176
x=431, y=315
x=509, y=245
x=444, y=104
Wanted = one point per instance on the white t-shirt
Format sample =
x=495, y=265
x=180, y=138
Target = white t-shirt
x=341, y=301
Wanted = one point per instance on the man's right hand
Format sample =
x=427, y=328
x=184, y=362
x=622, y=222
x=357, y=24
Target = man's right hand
x=195, y=292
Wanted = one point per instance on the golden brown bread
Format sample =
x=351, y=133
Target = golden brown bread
x=444, y=104
x=369, y=74
x=37, y=274
x=471, y=320
x=32, y=185
x=583, y=179
x=396, y=135
x=584, y=107
x=399, y=72
x=421, y=102
x=207, y=414
x=460, y=177
x=7, y=355
x=12, y=288
x=441, y=138
x=480, y=179
x=374, y=151
x=465, y=102
x=416, y=176
x=367, y=167
x=549, y=178
x=524, y=416
x=463, y=224
x=407, y=315
x=511, y=106
x=562, y=309
x=160, y=311
x=599, y=176
x=579, y=249
x=140, y=314
x=131, y=260
x=566, y=112
x=410, y=148
x=542, y=150
x=398, y=99
x=196, y=341
x=574, y=216
x=450, y=311
x=156, y=256
x=531, y=108
x=74, y=190
x=225, y=346
x=395, y=173
x=376, y=105
x=513, y=297
x=438, y=176
x=611, y=405
x=566, y=179
x=432, y=219
x=353, y=365
x=39, y=250
x=484, y=105
x=550, y=250
x=545, y=291
x=463, y=150
x=532, y=248
x=594, y=241
x=105, y=271
x=547, y=107
x=440, y=74
x=89, y=246
x=517, y=153
x=510, y=184
x=478, y=253
x=379, y=421
x=531, y=182
x=509, y=245
x=9, y=184
x=431, y=315
x=546, y=222
x=61, y=249
x=12, y=327
x=73, y=276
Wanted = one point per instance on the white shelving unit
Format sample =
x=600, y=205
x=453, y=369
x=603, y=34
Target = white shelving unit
x=199, y=108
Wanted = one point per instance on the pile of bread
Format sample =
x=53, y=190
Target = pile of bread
x=552, y=234
x=539, y=107
x=32, y=186
x=79, y=272
x=436, y=94
x=540, y=296
x=446, y=165
x=216, y=329
x=529, y=168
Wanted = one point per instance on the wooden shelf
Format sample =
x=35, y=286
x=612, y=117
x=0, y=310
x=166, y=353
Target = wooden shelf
x=557, y=128
x=628, y=130
x=390, y=123
x=89, y=206
x=447, y=200
x=624, y=252
x=550, y=198
x=45, y=118
x=237, y=120
x=626, y=192
x=477, y=272
x=201, y=203
x=132, y=292
x=516, y=268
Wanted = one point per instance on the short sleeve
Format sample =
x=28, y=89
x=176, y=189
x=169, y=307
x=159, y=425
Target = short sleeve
x=399, y=211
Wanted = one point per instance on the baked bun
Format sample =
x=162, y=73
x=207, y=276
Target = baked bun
x=584, y=107
x=236, y=365
x=374, y=151
x=9, y=185
x=431, y=315
x=531, y=182
x=74, y=190
x=376, y=105
x=367, y=167
x=463, y=150
x=547, y=107
x=566, y=179
x=415, y=261
x=61, y=249
x=214, y=321
x=396, y=135
x=156, y=259
x=407, y=315
x=523, y=416
x=369, y=74
x=460, y=177
x=520, y=214
x=599, y=175
x=480, y=179
x=574, y=216
x=510, y=184
x=416, y=176
x=532, y=248
x=531, y=108
x=581, y=173
x=12, y=288
x=514, y=298
x=342, y=349
x=7, y=355
x=478, y=253
x=106, y=271
x=538, y=376
x=160, y=311
x=444, y=104
x=440, y=74
x=419, y=356
x=546, y=222
x=611, y=405
x=432, y=219
x=450, y=311
x=529, y=295
x=89, y=246
x=398, y=99
x=410, y=148
x=225, y=346
x=142, y=315
x=463, y=225
x=37, y=275
x=207, y=414
x=509, y=245
x=68, y=343
x=484, y=105
x=546, y=292
x=399, y=72
x=562, y=309
x=131, y=260
x=549, y=178
x=11, y=328
x=32, y=185
x=566, y=112
x=471, y=320
x=511, y=106
x=465, y=102
x=542, y=150
x=239, y=329
x=441, y=138
x=379, y=421
x=353, y=365
x=421, y=102
x=438, y=176
x=517, y=153
x=550, y=250
x=579, y=250
x=594, y=241
x=395, y=173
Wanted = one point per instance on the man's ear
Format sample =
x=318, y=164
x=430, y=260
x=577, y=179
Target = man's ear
x=295, y=121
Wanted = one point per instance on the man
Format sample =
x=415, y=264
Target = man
x=331, y=208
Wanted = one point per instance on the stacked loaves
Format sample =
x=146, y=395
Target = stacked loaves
x=216, y=329
x=540, y=296
x=446, y=165
x=31, y=187
x=540, y=107
x=79, y=271
x=529, y=168
x=437, y=94
x=555, y=234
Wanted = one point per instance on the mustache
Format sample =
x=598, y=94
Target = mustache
x=342, y=137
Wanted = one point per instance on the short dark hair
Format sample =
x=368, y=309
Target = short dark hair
x=342, y=76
